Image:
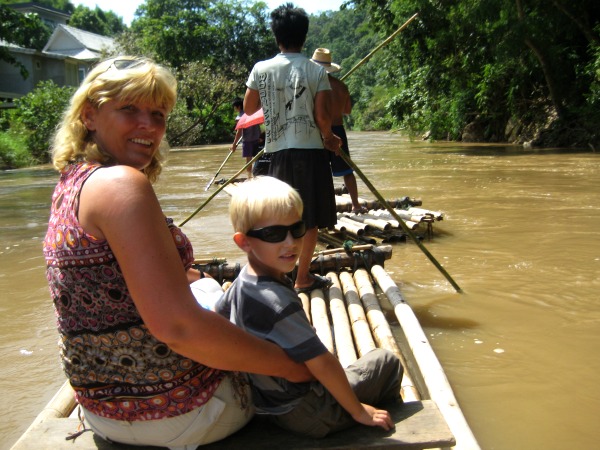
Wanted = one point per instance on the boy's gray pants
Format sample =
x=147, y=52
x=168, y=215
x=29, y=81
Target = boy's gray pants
x=375, y=379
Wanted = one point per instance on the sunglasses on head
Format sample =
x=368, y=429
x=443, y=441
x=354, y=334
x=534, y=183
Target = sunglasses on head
x=278, y=233
x=122, y=64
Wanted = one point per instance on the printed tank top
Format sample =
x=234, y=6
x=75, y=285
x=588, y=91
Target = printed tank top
x=117, y=368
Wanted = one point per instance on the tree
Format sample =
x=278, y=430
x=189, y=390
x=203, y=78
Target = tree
x=24, y=30
x=97, y=21
x=487, y=63
x=217, y=32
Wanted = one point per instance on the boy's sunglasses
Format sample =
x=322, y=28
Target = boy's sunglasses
x=278, y=233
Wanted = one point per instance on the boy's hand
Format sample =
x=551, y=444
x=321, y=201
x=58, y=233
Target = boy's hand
x=374, y=417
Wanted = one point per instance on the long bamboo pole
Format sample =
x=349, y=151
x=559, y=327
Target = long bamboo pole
x=379, y=47
x=395, y=215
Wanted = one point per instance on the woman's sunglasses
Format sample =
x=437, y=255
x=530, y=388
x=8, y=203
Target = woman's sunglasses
x=278, y=233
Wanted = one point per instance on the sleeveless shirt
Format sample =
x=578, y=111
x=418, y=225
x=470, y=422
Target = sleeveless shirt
x=117, y=368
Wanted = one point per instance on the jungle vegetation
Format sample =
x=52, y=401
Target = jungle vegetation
x=519, y=71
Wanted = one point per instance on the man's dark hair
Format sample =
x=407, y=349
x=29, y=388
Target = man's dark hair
x=289, y=25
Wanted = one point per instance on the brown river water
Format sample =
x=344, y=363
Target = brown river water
x=520, y=236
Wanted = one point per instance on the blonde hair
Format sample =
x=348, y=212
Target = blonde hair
x=262, y=197
x=123, y=77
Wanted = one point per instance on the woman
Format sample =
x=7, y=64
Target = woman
x=146, y=362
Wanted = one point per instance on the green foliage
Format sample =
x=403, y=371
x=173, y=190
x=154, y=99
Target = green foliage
x=36, y=116
x=212, y=45
x=218, y=33
x=13, y=151
x=24, y=30
x=489, y=62
x=203, y=112
x=97, y=21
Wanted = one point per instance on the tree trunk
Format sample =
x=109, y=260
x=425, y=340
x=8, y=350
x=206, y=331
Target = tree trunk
x=553, y=91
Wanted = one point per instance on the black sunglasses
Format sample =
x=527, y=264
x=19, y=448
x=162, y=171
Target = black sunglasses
x=278, y=233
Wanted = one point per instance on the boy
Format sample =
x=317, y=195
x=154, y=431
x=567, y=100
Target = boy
x=250, y=136
x=266, y=214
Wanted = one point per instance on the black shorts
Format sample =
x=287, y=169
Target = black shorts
x=339, y=168
x=308, y=171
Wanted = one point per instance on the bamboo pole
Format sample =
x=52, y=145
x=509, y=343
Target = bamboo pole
x=405, y=228
x=320, y=319
x=379, y=47
x=379, y=325
x=344, y=343
x=305, y=305
x=436, y=383
x=212, y=180
x=360, y=327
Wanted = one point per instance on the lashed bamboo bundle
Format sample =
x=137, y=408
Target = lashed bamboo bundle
x=344, y=203
x=353, y=226
x=320, y=263
x=378, y=224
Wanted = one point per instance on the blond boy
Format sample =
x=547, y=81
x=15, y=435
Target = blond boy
x=266, y=214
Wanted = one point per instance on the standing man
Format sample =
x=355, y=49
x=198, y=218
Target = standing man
x=340, y=106
x=295, y=95
x=250, y=135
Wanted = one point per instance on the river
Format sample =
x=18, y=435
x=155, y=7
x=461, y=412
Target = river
x=520, y=236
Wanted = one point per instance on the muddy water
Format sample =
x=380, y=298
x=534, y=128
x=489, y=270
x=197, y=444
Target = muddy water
x=520, y=236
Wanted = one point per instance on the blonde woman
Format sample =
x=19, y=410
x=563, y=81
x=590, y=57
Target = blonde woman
x=149, y=366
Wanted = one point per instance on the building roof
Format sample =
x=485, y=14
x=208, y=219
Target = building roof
x=78, y=44
x=39, y=8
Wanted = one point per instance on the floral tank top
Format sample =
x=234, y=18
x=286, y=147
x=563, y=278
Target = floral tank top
x=117, y=368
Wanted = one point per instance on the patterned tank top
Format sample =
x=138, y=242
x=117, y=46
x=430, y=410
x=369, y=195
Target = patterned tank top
x=117, y=368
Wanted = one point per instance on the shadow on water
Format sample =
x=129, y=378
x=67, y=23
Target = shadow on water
x=429, y=319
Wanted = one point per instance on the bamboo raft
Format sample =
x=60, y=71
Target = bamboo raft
x=377, y=226
x=362, y=310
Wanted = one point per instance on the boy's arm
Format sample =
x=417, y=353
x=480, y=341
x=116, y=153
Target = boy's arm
x=329, y=372
x=238, y=135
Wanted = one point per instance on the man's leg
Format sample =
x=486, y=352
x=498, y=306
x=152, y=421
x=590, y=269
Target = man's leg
x=303, y=278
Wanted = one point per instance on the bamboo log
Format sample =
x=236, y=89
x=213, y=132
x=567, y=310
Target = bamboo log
x=320, y=263
x=306, y=305
x=360, y=327
x=435, y=380
x=352, y=226
x=378, y=224
x=340, y=228
x=344, y=343
x=61, y=405
x=379, y=325
x=320, y=319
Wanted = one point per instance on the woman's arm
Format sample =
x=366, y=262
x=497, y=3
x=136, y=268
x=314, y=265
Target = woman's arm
x=119, y=204
x=329, y=372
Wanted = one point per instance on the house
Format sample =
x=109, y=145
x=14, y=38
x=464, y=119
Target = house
x=65, y=59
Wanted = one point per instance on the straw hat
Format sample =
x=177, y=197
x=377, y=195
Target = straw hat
x=322, y=56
